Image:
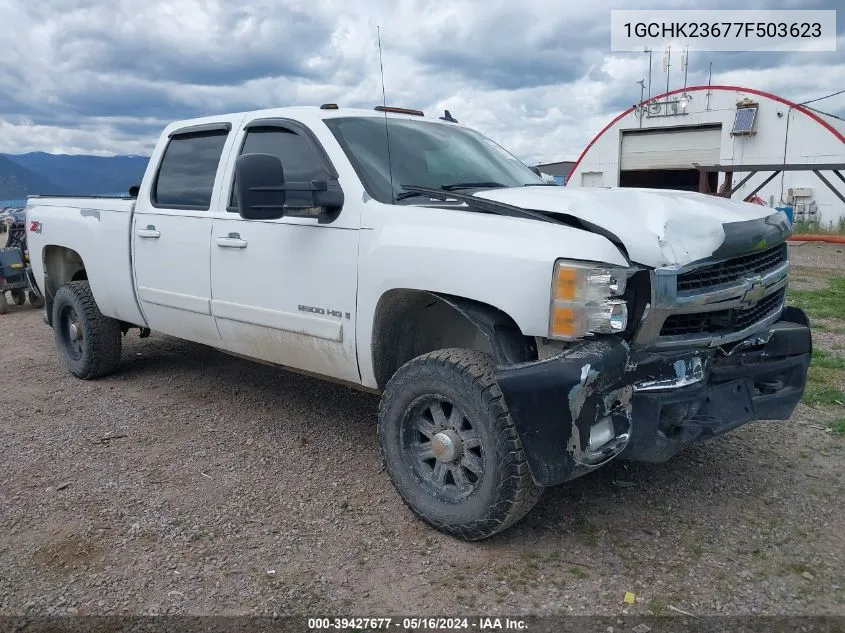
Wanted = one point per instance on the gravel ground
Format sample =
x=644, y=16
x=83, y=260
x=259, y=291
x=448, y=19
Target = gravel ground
x=813, y=262
x=805, y=255
x=194, y=482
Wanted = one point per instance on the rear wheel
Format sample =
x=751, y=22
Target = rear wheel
x=34, y=300
x=18, y=297
x=450, y=446
x=88, y=342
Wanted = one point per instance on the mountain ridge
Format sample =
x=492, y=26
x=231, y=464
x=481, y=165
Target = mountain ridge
x=17, y=182
x=68, y=174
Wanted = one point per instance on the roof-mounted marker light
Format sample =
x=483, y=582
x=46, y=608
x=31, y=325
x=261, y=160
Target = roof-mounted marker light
x=328, y=106
x=399, y=110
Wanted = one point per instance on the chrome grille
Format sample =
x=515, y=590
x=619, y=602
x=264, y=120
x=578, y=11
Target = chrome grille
x=731, y=270
x=721, y=322
x=713, y=303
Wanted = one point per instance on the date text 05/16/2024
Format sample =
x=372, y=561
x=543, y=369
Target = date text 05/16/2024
x=417, y=624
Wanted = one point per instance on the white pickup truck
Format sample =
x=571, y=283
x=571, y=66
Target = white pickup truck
x=520, y=334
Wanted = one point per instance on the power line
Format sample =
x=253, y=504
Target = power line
x=820, y=98
x=827, y=114
x=786, y=135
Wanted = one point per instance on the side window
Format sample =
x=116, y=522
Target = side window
x=299, y=157
x=186, y=175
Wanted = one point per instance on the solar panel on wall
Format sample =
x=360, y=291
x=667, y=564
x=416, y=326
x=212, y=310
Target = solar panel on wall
x=744, y=120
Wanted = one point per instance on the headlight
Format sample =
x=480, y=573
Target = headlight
x=587, y=298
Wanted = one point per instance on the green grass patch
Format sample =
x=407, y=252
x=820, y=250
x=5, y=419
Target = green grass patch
x=578, y=572
x=657, y=606
x=837, y=426
x=802, y=227
x=828, y=303
x=827, y=360
x=824, y=327
x=822, y=387
x=795, y=568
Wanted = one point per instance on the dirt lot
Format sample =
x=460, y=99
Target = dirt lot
x=193, y=482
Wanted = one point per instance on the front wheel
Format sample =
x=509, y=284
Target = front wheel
x=18, y=297
x=4, y=304
x=450, y=446
x=88, y=342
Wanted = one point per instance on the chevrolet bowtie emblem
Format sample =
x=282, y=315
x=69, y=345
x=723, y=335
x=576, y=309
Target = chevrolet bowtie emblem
x=754, y=292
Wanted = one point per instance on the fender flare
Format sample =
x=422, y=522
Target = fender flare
x=507, y=341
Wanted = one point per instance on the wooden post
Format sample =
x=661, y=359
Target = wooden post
x=728, y=184
x=703, y=182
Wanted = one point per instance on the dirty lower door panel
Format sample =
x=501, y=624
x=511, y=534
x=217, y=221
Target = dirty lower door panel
x=283, y=291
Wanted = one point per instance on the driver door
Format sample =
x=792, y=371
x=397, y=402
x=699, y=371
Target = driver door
x=284, y=290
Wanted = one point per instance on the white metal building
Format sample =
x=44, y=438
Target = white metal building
x=657, y=143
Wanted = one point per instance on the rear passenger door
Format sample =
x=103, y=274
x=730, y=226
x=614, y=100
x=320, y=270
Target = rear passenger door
x=172, y=232
x=285, y=290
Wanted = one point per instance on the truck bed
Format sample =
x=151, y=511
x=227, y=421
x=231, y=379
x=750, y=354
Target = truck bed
x=97, y=229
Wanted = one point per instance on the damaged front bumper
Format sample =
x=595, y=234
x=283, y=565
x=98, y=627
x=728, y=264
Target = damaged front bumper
x=600, y=400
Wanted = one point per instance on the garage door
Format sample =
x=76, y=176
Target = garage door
x=677, y=148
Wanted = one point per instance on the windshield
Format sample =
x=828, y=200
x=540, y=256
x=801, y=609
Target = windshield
x=424, y=154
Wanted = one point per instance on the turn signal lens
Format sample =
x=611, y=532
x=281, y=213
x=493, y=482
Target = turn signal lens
x=566, y=285
x=565, y=322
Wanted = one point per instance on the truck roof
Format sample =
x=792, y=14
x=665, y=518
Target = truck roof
x=301, y=113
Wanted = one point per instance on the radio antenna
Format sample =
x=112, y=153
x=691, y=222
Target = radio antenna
x=384, y=107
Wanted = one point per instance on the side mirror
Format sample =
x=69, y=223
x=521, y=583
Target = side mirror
x=260, y=182
x=536, y=170
x=263, y=193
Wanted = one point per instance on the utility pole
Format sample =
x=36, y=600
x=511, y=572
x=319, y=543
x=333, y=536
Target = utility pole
x=640, y=107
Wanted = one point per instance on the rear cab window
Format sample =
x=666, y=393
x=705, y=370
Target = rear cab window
x=188, y=168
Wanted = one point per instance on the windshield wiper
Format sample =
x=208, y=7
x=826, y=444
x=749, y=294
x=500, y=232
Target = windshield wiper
x=472, y=185
x=451, y=187
x=412, y=194
x=480, y=204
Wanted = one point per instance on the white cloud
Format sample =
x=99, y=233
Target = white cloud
x=537, y=76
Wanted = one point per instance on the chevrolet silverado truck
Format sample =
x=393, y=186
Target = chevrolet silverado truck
x=519, y=334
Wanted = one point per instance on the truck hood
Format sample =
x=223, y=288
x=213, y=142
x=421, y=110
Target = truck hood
x=657, y=227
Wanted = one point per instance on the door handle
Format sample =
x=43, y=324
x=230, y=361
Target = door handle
x=233, y=240
x=150, y=232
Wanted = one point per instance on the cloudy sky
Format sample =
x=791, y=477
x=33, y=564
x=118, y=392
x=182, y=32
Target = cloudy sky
x=538, y=76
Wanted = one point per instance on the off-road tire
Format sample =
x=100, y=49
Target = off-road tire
x=34, y=300
x=101, y=336
x=506, y=492
x=4, y=303
x=18, y=297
